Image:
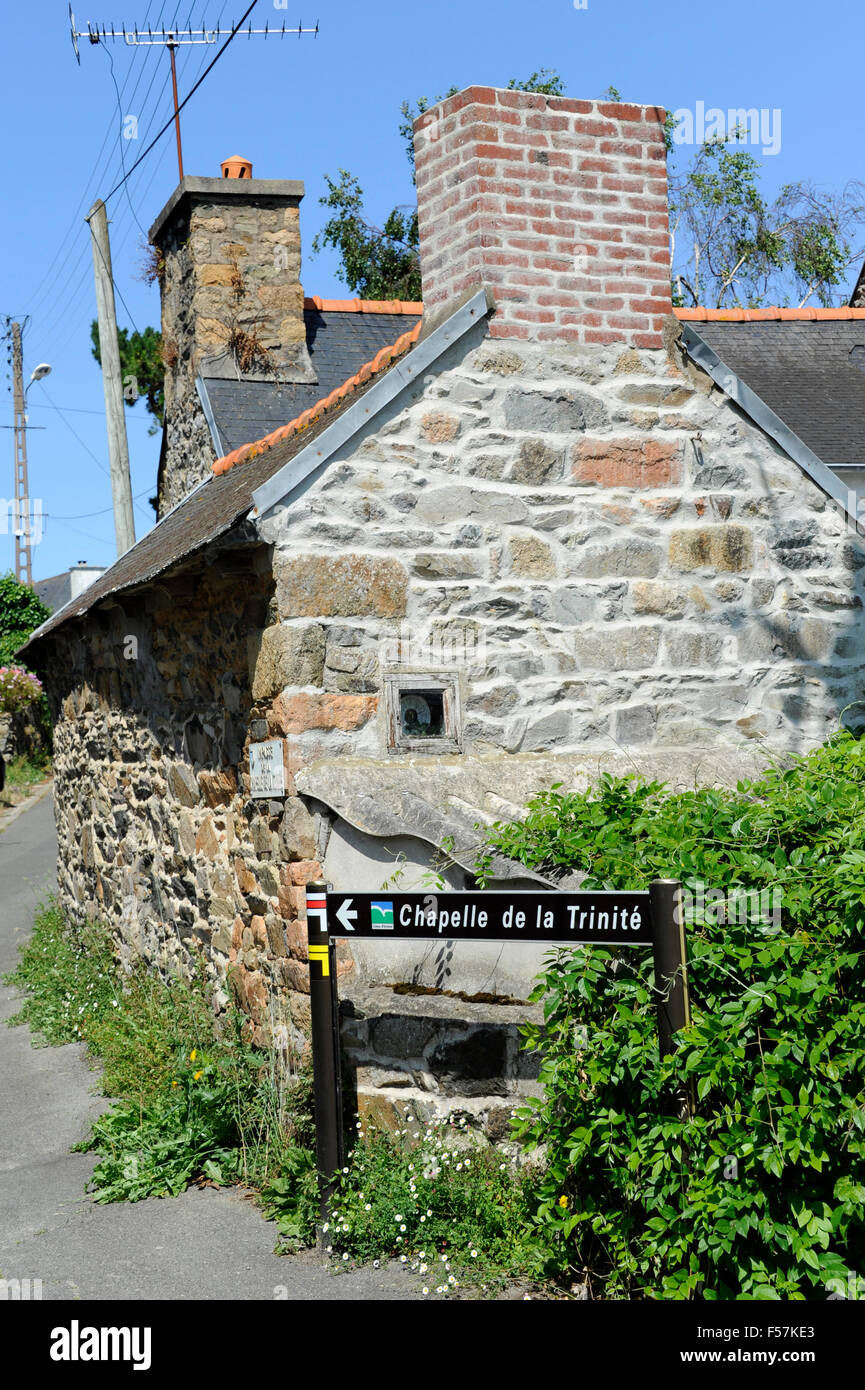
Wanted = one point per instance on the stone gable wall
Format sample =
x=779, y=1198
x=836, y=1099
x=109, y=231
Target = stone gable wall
x=613, y=553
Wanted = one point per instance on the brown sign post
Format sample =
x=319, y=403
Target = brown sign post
x=671, y=971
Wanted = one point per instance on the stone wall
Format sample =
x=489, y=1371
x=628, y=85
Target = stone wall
x=610, y=556
x=620, y=555
x=25, y=734
x=156, y=705
x=158, y=835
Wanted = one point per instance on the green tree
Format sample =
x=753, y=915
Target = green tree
x=141, y=366
x=731, y=247
x=377, y=262
x=758, y=1192
x=21, y=612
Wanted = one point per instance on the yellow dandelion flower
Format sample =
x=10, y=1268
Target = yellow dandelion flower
x=563, y=1201
x=193, y=1054
x=197, y=1075
x=175, y=1083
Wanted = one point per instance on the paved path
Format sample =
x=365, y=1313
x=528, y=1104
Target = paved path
x=202, y=1245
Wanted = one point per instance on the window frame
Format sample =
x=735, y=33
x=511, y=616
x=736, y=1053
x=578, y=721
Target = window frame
x=446, y=684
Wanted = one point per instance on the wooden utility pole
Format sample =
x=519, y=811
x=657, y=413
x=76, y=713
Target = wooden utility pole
x=21, y=516
x=109, y=351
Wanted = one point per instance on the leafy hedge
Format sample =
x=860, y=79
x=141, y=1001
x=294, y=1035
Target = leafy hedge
x=760, y=1194
x=21, y=612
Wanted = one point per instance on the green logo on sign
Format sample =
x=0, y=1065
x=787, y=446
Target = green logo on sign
x=381, y=916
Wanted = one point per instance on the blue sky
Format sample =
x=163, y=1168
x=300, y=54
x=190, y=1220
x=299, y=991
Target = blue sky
x=302, y=108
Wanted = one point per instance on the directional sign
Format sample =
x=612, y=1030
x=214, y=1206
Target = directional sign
x=611, y=919
x=500, y=916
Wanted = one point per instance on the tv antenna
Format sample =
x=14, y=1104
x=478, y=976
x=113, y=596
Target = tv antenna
x=173, y=39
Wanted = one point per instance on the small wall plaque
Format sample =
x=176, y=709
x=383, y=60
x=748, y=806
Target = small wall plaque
x=266, y=769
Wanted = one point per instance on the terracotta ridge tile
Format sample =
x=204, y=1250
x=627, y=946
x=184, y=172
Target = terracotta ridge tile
x=307, y=417
x=363, y=306
x=804, y=315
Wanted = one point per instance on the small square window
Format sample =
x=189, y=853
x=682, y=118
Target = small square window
x=422, y=714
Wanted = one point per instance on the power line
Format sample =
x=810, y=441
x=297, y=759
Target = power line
x=54, y=321
x=85, y=447
x=80, y=410
x=48, y=280
x=68, y=307
x=85, y=516
x=100, y=540
x=46, y=285
x=38, y=294
x=49, y=329
x=121, y=137
x=82, y=260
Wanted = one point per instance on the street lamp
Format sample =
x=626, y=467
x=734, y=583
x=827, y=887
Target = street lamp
x=37, y=374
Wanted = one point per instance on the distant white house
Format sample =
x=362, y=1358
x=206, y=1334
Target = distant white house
x=59, y=589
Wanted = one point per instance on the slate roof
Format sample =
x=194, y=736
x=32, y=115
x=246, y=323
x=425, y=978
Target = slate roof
x=809, y=371
x=57, y=589
x=210, y=510
x=340, y=341
x=54, y=591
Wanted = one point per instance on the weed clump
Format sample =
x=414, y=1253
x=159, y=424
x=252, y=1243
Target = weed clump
x=192, y=1101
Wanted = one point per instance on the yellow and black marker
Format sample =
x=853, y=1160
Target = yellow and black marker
x=320, y=955
x=324, y=1012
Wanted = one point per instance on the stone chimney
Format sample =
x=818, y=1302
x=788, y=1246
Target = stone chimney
x=559, y=206
x=227, y=257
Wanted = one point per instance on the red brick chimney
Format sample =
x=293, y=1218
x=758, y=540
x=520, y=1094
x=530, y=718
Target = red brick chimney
x=559, y=206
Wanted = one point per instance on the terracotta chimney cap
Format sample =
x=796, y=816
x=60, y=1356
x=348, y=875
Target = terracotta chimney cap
x=236, y=168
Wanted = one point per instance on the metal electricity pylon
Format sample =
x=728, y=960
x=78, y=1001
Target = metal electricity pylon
x=21, y=524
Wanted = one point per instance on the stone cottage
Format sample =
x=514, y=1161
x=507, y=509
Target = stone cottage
x=548, y=528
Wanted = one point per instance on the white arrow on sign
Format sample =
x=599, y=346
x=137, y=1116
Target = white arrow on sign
x=346, y=914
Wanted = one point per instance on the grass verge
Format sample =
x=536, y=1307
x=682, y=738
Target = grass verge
x=22, y=774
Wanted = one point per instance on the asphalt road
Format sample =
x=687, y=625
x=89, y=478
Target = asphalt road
x=204, y=1244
